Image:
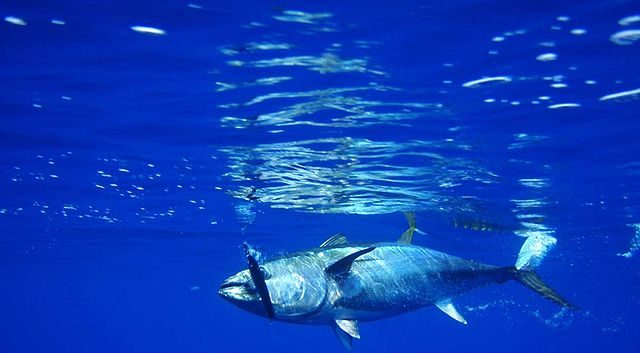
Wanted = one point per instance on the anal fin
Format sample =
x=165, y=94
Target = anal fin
x=350, y=327
x=447, y=307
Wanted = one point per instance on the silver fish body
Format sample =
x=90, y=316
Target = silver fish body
x=390, y=280
x=340, y=284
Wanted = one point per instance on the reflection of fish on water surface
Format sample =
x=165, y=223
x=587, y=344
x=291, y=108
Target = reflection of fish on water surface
x=481, y=225
x=353, y=175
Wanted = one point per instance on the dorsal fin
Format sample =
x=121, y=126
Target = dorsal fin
x=337, y=239
x=447, y=307
x=342, y=267
x=407, y=236
x=350, y=327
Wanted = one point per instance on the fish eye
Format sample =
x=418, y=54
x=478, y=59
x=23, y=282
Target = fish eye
x=265, y=273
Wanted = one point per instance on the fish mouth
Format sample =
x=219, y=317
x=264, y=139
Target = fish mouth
x=240, y=291
x=242, y=295
x=237, y=291
x=228, y=285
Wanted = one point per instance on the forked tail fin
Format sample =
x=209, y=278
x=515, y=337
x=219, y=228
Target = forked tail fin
x=531, y=280
x=531, y=254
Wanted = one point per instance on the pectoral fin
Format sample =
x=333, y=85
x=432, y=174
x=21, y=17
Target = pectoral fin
x=258, y=280
x=447, y=307
x=342, y=267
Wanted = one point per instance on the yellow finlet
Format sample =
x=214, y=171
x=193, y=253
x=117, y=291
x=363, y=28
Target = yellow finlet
x=407, y=236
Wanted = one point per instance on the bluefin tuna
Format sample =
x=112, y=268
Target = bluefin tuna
x=340, y=284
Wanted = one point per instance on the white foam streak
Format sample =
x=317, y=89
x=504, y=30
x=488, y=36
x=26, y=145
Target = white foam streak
x=564, y=105
x=534, y=250
x=626, y=37
x=632, y=94
x=486, y=80
x=634, y=246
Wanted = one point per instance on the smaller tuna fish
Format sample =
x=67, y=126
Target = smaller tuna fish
x=340, y=284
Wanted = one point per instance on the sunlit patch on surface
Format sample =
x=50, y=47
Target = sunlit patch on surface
x=15, y=20
x=301, y=16
x=547, y=57
x=149, y=30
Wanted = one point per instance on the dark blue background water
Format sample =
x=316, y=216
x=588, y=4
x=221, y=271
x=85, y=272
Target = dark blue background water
x=130, y=177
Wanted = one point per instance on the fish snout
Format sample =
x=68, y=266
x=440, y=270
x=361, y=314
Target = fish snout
x=241, y=294
x=230, y=289
x=224, y=290
x=238, y=288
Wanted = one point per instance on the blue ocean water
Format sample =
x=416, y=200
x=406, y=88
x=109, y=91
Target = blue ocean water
x=142, y=142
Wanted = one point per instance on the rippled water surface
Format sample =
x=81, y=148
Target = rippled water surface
x=143, y=142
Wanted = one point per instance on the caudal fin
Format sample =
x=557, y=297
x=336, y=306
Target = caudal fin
x=531, y=280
